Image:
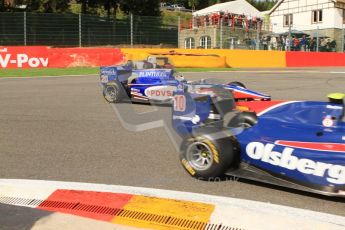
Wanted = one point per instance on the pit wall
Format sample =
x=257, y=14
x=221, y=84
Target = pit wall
x=46, y=57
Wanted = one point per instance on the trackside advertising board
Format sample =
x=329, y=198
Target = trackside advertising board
x=46, y=57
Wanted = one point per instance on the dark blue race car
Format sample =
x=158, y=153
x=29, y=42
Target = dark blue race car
x=158, y=85
x=296, y=144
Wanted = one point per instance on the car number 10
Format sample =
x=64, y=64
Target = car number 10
x=180, y=103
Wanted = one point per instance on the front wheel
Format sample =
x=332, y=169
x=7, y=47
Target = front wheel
x=205, y=157
x=113, y=92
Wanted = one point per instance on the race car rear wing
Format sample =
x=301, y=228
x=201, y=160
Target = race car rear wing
x=128, y=72
x=112, y=73
x=194, y=109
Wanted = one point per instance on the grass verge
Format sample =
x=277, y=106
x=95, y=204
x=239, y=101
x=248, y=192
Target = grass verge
x=79, y=71
x=203, y=69
x=47, y=72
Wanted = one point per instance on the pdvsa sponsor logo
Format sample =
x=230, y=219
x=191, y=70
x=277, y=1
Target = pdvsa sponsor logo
x=160, y=92
x=21, y=60
x=159, y=74
x=258, y=151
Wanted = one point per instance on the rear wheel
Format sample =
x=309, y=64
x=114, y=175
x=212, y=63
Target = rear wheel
x=237, y=83
x=249, y=119
x=206, y=157
x=244, y=120
x=113, y=92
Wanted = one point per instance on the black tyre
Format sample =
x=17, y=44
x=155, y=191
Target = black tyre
x=209, y=154
x=237, y=83
x=244, y=120
x=113, y=92
x=249, y=119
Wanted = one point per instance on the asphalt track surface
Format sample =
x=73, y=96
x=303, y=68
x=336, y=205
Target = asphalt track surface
x=62, y=129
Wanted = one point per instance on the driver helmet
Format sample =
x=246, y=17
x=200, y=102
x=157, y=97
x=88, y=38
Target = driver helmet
x=180, y=78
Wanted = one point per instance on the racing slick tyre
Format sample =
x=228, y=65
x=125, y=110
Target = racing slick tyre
x=243, y=119
x=249, y=119
x=237, y=83
x=113, y=92
x=209, y=154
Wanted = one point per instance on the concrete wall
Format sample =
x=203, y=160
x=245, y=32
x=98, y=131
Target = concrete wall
x=231, y=38
x=197, y=34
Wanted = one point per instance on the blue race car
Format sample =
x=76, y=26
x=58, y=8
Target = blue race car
x=124, y=82
x=295, y=144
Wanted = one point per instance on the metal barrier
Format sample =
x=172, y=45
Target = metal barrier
x=66, y=30
x=71, y=30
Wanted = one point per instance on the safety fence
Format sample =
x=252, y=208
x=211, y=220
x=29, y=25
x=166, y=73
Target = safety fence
x=80, y=30
x=66, y=30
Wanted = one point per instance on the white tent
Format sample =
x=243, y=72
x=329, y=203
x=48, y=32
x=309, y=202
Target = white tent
x=235, y=7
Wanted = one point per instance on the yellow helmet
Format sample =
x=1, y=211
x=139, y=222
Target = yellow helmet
x=336, y=97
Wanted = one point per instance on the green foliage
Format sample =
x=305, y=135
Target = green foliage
x=45, y=6
x=77, y=71
x=171, y=18
x=75, y=8
x=141, y=8
x=263, y=5
x=202, y=4
x=2, y=5
x=99, y=7
x=193, y=3
x=112, y=8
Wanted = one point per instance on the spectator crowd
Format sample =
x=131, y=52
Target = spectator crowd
x=304, y=43
x=227, y=19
